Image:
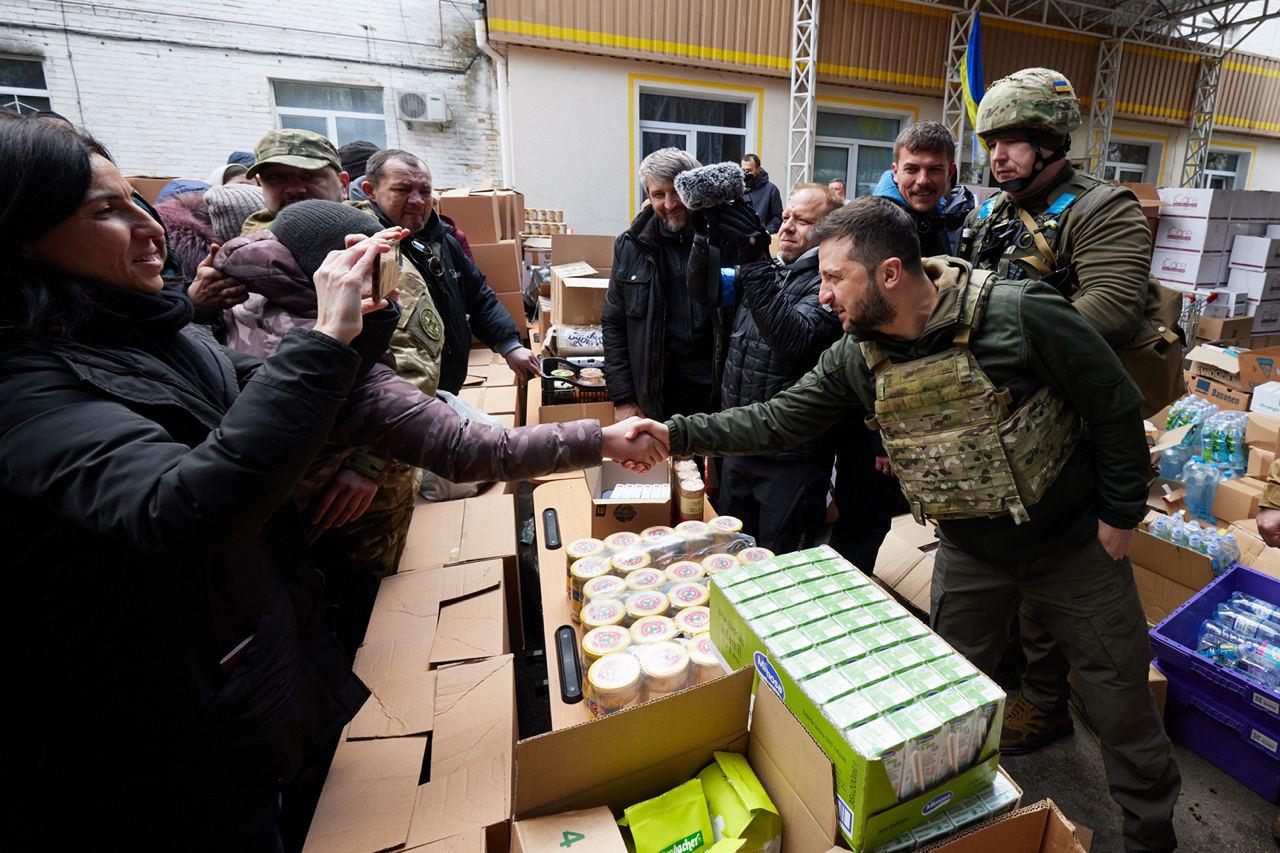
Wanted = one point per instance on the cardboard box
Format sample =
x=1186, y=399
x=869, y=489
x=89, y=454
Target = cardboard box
x=591, y=831
x=1218, y=329
x=372, y=800
x=447, y=533
x=1260, y=459
x=1149, y=201
x=1266, y=399
x=1255, y=253
x=1039, y=828
x=1261, y=430
x=513, y=304
x=577, y=294
x=500, y=263
x=1261, y=285
x=493, y=399
x=1187, y=267
x=611, y=516
x=593, y=249
x=1266, y=317
x=1223, y=302
x=869, y=808
x=565, y=412
x=1243, y=369
x=1273, y=231
x=1224, y=395
x=1237, y=499
x=617, y=761
x=1204, y=204
x=905, y=560
x=1167, y=575
x=148, y=186
x=476, y=215
x=1192, y=234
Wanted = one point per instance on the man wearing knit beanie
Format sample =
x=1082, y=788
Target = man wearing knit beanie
x=229, y=206
x=355, y=160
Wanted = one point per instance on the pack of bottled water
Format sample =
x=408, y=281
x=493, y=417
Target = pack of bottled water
x=1189, y=410
x=1222, y=440
x=1221, y=547
x=1244, y=634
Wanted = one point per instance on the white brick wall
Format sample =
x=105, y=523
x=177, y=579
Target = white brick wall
x=171, y=89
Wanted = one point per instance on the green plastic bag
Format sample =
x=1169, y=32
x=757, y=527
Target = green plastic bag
x=739, y=805
x=675, y=822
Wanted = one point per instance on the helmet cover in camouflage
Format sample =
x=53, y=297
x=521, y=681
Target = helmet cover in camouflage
x=1033, y=99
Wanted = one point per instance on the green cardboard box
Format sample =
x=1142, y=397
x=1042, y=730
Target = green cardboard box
x=817, y=689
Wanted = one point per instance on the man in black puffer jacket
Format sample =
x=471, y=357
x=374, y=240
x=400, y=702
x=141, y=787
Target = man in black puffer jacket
x=778, y=332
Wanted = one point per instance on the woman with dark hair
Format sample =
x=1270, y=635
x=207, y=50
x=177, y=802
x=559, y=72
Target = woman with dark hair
x=168, y=663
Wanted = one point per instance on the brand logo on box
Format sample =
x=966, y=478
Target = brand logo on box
x=769, y=675
x=1179, y=234
x=936, y=803
x=1186, y=201
x=1170, y=265
x=625, y=513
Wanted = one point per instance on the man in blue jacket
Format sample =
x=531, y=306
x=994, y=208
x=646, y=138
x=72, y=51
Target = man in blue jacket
x=924, y=167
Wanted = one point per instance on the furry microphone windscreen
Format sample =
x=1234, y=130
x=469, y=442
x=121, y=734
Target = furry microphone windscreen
x=711, y=186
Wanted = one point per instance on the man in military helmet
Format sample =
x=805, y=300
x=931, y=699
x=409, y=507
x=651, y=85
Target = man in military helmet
x=1012, y=425
x=1090, y=241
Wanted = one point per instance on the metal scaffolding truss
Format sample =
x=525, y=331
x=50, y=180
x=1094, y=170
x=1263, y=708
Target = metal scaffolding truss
x=804, y=80
x=1190, y=26
x=954, y=114
x=1102, y=105
x=1202, y=111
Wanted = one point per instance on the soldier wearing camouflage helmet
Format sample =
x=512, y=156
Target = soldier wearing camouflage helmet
x=1090, y=241
x=1011, y=423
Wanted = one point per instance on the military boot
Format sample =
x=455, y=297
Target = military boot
x=1027, y=728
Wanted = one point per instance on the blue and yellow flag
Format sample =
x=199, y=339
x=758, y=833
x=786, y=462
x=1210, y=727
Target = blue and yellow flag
x=971, y=76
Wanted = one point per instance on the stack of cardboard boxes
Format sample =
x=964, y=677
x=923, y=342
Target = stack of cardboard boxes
x=1213, y=243
x=1227, y=374
x=492, y=219
x=428, y=758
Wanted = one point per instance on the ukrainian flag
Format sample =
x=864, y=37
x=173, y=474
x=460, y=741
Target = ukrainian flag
x=971, y=75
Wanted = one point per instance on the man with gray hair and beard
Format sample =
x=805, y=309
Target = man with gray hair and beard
x=662, y=348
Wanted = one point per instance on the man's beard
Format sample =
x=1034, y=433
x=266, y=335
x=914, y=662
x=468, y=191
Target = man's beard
x=675, y=223
x=872, y=312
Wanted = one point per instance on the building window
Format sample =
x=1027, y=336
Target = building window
x=1226, y=170
x=712, y=130
x=856, y=149
x=22, y=87
x=1132, y=163
x=342, y=113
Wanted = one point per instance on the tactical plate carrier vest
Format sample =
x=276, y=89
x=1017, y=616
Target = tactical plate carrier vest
x=957, y=450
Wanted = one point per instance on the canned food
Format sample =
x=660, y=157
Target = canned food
x=717, y=563
x=692, y=621
x=622, y=541
x=687, y=594
x=647, y=603
x=602, y=611
x=725, y=526
x=653, y=629
x=613, y=683
x=579, y=573
x=691, y=492
x=625, y=562
x=657, y=533
x=702, y=655
x=602, y=641
x=607, y=586
x=685, y=570
x=643, y=580
x=749, y=556
x=696, y=534
x=579, y=548
x=665, y=667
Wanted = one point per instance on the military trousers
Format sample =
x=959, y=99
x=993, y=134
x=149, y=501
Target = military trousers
x=1089, y=605
x=1044, y=681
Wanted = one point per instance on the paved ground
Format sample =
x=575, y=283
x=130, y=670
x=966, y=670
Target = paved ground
x=1216, y=814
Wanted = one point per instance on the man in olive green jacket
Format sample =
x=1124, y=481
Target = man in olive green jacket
x=1067, y=559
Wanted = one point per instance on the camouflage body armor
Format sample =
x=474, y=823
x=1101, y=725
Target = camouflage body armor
x=956, y=448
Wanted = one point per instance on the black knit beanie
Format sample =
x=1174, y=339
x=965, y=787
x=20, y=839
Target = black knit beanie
x=312, y=229
x=355, y=158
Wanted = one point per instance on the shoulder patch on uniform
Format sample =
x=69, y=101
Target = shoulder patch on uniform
x=1063, y=202
x=987, y=206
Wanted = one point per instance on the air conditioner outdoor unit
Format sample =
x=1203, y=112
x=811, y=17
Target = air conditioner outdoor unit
x=430, y=107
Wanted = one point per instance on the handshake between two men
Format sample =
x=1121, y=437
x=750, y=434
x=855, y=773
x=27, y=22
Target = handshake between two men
x=637, y=443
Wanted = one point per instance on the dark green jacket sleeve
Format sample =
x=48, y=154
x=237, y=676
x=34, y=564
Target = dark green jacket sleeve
x=1067, y=354
x=821, y=398
x=1111, y=250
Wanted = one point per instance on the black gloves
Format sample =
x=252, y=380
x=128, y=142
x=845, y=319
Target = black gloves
x=735, y=230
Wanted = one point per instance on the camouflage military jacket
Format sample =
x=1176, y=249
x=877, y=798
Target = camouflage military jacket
x=1030, y=338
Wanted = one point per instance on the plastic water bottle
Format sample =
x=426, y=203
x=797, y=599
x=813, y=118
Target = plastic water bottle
x=1232, y=548
x=1227, y=647
x=1255, y=607
x=1247, y=626
x=1173, y=460
x=1202, y=480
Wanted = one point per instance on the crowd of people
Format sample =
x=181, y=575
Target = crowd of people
x=214, y=428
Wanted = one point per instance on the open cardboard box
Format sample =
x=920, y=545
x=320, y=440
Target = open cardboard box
x=639, y=753
x=448, y=533
x=905, y=560
x=476, y=215
x=1221, y=329
x=577, y=294
x=1038, y=828
x=1245, y=370
x=609, y=515
x=594, y=249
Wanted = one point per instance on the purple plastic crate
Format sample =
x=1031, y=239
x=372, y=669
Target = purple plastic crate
x=1174, y=642
x=1222, y=737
